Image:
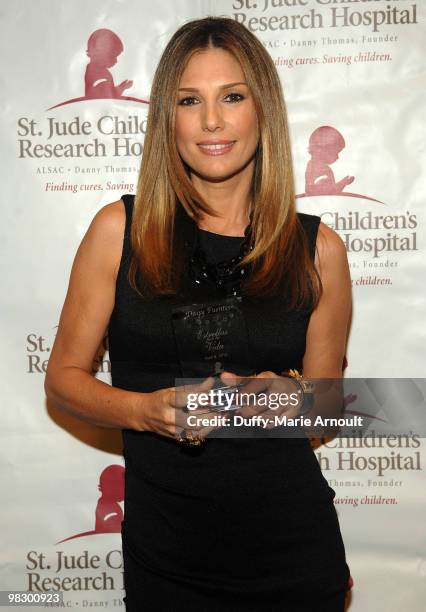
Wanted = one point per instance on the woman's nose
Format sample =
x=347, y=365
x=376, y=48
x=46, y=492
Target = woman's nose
x=211, y=116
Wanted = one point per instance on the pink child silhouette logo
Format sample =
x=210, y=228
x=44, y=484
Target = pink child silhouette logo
x=103, y=48
x=108, y=513
x=325, y=145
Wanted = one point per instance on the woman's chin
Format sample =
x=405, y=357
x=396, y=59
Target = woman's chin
x=216, y=175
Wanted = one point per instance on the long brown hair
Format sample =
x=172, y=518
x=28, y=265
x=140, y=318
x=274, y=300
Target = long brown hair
x=280, y=255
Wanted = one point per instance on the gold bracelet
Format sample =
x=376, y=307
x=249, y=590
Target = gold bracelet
x=306, y=387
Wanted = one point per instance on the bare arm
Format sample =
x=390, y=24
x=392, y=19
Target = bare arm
x=84, y=319
x=88, y=305
x=328, y=327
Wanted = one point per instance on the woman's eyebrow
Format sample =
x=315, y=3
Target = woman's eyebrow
x=221, y=87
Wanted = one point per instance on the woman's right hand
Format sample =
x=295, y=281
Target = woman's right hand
x=163, y=410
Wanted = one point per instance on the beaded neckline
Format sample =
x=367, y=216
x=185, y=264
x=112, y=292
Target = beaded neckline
x=225, y=276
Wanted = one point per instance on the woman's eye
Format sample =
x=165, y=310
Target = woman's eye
x=184, y=101
x=239, y=96
x=236, y=97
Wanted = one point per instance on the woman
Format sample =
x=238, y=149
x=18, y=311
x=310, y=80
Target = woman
x=234, y=523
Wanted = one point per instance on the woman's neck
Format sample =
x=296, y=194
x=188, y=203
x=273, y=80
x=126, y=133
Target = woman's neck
x=231, y=202
x=224, y=226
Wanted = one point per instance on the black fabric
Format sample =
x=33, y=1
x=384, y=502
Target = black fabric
x=240, y=524
x=217, y=247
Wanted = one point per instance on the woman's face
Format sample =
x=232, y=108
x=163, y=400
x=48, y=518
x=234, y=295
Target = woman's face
x=216, y=123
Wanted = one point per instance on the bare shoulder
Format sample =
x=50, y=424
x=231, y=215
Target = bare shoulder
x=106, y=231
x=110, y=220
x=91, y=291
x=330, y=249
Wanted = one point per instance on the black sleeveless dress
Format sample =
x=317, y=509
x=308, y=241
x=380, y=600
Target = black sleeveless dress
x=245, y=523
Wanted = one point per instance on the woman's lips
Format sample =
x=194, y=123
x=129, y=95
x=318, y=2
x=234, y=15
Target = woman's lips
x=216, y=149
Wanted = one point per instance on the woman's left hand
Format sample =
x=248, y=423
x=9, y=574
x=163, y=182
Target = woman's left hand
x=282, y=395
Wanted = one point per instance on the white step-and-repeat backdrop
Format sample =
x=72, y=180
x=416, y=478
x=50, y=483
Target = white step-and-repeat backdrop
x=353, y=73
